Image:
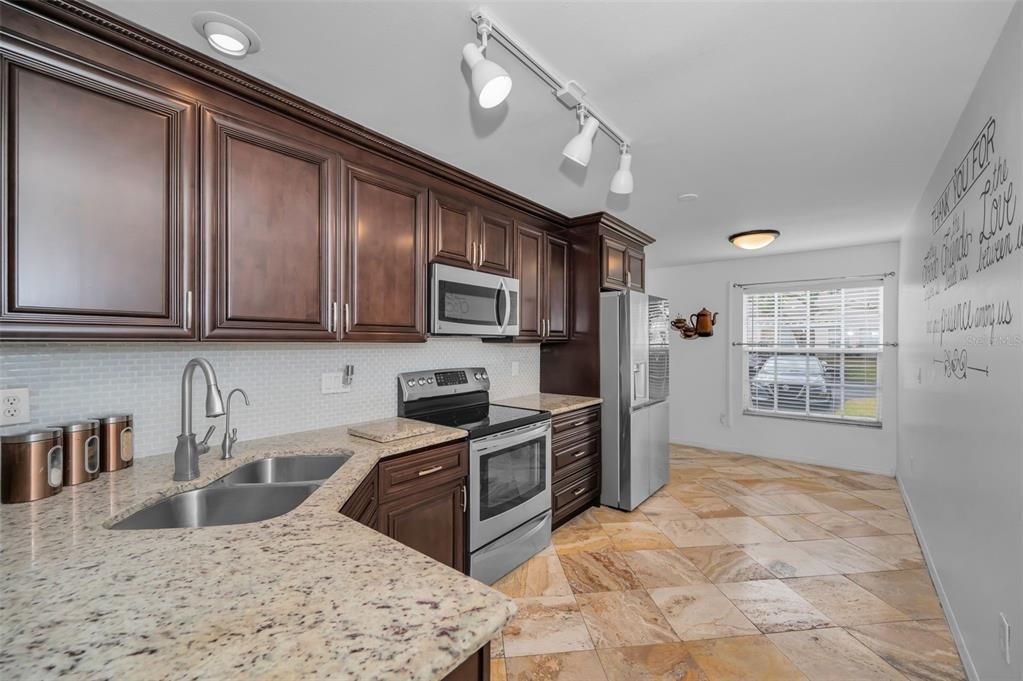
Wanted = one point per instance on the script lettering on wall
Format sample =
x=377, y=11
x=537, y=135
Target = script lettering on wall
x=975, y=230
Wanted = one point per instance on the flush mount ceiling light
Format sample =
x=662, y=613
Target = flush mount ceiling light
x=226, y=34
x=490, y=83
x=568, y=92
x=621, y=181
x=754, y=239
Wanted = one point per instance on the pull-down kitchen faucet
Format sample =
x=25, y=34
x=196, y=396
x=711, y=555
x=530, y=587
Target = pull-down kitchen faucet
x=186, y=455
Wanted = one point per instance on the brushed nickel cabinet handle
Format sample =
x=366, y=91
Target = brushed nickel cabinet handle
x=578, y=491
x=431, y=469
x=463, y=499
x=579, y=453
x=628, y=279
x=348, y=318
x=581, y=422
x=188, y=311
x=472, y=260
x=332, y=323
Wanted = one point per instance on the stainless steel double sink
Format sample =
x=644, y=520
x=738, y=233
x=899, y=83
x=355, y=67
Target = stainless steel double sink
x=255, y=491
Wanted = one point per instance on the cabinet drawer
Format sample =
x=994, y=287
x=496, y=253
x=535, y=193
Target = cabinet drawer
x=576, y=455
x=574, y=423
x=414, y=472
x=362, y=505
x=576, y=492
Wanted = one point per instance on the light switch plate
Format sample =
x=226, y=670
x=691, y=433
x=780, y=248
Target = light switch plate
x=331, y=383
x=14, y=407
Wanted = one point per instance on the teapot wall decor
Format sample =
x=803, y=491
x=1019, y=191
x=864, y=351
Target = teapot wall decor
x=699, y=325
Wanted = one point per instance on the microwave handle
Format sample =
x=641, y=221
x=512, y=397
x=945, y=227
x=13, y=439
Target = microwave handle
x=507, y=304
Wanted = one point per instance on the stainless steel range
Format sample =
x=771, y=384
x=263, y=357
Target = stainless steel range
x=509, y=464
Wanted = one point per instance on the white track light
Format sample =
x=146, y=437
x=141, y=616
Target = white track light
x=621, y=181
x=580, y=147
x=490, y=83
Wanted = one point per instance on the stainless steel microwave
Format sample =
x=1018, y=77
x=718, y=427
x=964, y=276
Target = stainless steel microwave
x=468, y=303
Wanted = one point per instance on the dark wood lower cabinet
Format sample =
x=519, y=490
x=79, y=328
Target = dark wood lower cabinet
x=575, y=449
x=476, y=668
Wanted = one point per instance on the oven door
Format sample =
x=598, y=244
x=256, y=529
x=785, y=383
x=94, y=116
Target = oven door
x=468, y=303
x=509, y=481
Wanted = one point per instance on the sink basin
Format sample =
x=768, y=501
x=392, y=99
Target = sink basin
x=284, y=469
x=220, y=505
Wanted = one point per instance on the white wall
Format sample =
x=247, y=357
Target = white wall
x=961, y=431
x=71, y=380
x=706, y=374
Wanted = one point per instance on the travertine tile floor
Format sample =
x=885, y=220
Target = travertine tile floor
x=741, y=569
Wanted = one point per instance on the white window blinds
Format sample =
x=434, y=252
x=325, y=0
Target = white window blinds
x=814, y=353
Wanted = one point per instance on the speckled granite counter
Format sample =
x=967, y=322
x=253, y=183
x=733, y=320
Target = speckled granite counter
x=555, y=404
x=307, y=595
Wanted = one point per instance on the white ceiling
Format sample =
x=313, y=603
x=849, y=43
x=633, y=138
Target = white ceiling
x=821, y=119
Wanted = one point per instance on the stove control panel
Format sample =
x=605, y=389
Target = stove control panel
x=418, y=385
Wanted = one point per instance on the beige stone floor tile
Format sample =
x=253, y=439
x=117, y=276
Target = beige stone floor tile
x=708, y=505
x=586, y=538
x=497, y=646
x=755, y=504
x=660, y=508
x=663, y=567
x=701, y=611
x=842, y=525
x=917, y=652
x=843, y=601
x=636, y=535
x=723, y=487
x=762, y=469
x=844, y=501
x=726, y=564
x=684, y=489
x=787, y=559
x=541, y=575
x=900, y=550
x=875, y=481
x=833, y=655
x=743, y=658
x=910, y=591
x=939, y=627
x=605, y=571
x=497, y=671
x=800, y=503
x=623, y=618
x=579, y=666
x=743, y=530
x=848, y=482
x=584, y=519
x=884, y=498
x=785, y=486
x=807, y=469
x=546, y=624
x=843, y=557
x=886, y=521
x=685, y=474
x=695, y=532
x=736, y=472
x=774, y=607
x=658, y=662
x=793, y=527
x=606, y=514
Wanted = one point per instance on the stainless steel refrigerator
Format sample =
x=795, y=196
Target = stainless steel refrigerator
x=634, y=386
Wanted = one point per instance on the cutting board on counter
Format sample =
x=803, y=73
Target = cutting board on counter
x=390, y=429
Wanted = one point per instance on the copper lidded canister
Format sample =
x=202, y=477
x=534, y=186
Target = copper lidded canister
x=31, y=465
x=81, y=451
x=116, y=442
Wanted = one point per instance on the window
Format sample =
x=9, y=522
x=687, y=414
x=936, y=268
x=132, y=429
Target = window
x=813, y=353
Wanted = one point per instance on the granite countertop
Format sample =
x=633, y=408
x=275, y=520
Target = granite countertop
x=310, y=594
x=555, y=404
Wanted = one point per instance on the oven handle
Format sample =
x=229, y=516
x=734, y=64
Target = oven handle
x=510, y=438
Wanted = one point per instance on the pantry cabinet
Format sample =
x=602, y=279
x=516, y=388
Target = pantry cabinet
x=542, y=265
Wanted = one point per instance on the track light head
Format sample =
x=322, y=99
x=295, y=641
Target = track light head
x=490, y=83
x=621, y=181
x=580, y=147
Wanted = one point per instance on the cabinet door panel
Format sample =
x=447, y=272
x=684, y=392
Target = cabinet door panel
x=557, y=288
x=529, y=252
x=98, y=232
x=636, y=269
x=269, y=229
x=385, y=258
x=431, y=522
x=613, y=263
x=452, y=230
x=496, y=236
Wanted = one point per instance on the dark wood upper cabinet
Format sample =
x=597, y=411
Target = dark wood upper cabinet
x=613, y=265
x=556, y=296
x=529, y=254
x=496, y=237
x=98, y=232
x=269, y=231
x=385, y=257
x=635, y=273
x=452, y=230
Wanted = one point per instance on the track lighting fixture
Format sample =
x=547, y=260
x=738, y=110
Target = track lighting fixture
x=580, y=147
x=490, y=83
x=621, y=181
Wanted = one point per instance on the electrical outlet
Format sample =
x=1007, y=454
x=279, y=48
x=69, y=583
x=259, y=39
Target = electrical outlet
x=1005, y=640
x=332, y=383
x=14, y=407
x=514, y=368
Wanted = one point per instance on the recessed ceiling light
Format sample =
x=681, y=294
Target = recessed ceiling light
x=226, y=34
x=754, y=239
x=688, y=197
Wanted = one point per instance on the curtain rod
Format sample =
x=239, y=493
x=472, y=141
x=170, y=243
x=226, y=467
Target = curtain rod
x=879, y=277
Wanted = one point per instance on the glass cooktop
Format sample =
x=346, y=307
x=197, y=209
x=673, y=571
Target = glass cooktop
x=485, y=419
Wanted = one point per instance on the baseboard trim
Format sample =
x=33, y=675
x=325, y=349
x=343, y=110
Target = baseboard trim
x=950, y=617
x=792, y=459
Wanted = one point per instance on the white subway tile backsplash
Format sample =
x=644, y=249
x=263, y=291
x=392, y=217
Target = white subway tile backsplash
x=72, y=380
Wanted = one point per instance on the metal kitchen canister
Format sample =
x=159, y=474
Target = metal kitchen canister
x=31, y=465
x=116, y=442
x=81, y=451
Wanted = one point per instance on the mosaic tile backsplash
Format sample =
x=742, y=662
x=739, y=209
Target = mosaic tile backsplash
x=72, y=380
